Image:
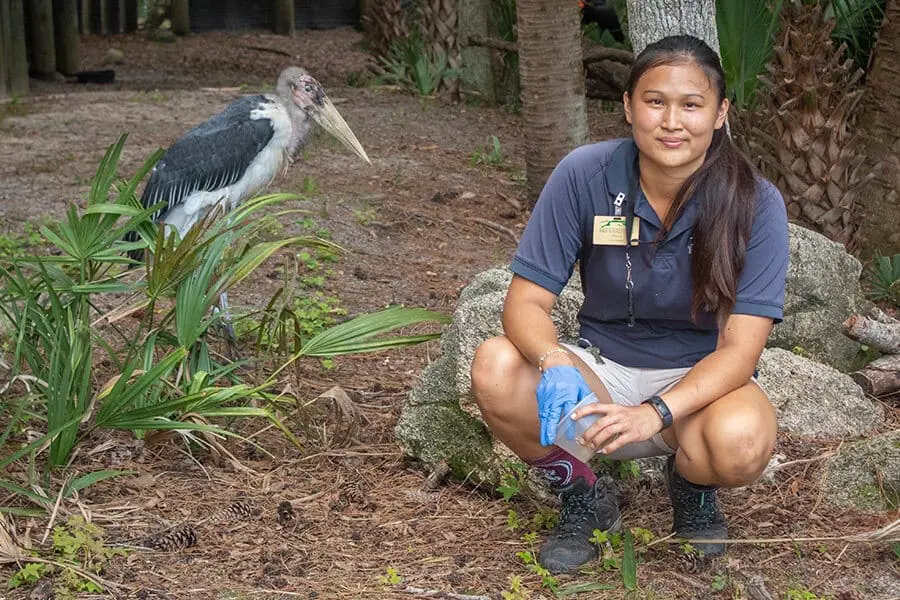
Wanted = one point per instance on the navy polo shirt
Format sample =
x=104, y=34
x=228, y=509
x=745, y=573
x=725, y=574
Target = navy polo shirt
x=559, y=234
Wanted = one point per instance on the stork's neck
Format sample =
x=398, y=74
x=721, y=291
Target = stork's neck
x=301, y=123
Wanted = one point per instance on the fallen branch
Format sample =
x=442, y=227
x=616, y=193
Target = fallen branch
x=884, y=337
x=493, y=43
x=598, y=53
x=592, y=54
x=267, y=49
x=496, y=227
x=889, y=534
x=879, y=377
x=423, y=593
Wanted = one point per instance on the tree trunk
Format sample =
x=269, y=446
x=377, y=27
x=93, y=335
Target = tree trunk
x=104, y=17
x=4, y=49
x=651, y=20
x=181, y=17
x=65, y=22
x=552, y=76
x=86, y=27
x=16, y=51
x=130, y=12
x=43, y=48
x=283, y=17
x=881, y=118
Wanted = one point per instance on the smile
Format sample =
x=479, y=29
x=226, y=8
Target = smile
x=671, y=142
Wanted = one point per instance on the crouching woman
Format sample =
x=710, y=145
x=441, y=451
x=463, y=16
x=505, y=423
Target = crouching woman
x=682, y=251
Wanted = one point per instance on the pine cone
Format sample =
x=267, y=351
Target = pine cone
x=284, y=512
x=183, y=536
x=238, y=511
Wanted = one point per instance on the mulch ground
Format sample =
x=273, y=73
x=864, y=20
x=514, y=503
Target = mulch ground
x=328, y=520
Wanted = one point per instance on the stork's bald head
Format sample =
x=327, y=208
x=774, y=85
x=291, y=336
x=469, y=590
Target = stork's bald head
x=297, y=86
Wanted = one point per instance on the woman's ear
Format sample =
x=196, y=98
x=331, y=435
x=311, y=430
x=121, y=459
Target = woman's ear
x=722, y=113
x=626, y=101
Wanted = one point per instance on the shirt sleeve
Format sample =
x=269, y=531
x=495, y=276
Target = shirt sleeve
x=553, y=236
x=760, y=289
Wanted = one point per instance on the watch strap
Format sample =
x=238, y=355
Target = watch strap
x=662, y=409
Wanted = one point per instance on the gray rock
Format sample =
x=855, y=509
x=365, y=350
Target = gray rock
x=822, y=291
x=866, y=474
x=813, y=399
x=441, y=421
x=114, y=56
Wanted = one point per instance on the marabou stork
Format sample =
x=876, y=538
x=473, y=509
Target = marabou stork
x=237, y=153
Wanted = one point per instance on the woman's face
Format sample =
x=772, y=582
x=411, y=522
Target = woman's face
x=673, y=113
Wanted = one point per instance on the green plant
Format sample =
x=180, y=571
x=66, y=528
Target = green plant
x=413, y=65
x=365, y=214
x=719, y=582
x=78, y=557
x=801, y=593
x=494, y=156
x=515, y=591
x=856, y=24
x=746, y=34
x=512, y=478
x=528, y=559
x=18, y=244
x=309, y=185
x=884, y=278
x=168, y=377
x=391, y=577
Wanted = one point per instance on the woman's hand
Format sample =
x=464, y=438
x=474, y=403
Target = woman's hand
x=560, y=389
x=619, y=425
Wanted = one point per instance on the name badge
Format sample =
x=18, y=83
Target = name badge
x=610, y=231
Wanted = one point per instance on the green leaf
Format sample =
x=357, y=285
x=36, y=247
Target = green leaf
x=91, y=478
x=629, y=563
x=581, y=588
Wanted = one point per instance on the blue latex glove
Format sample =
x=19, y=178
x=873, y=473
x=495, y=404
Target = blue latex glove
x=560, y=389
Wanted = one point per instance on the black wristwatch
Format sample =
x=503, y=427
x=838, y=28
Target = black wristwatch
x=659, y=405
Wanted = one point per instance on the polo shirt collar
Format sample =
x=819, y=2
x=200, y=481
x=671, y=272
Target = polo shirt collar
x=618, y=176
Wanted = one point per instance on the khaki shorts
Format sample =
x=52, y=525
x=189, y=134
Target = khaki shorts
x=629, y=386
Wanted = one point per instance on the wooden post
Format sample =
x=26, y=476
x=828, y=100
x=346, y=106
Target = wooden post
x=43, y=48
x=130, y=12
x=4, y=49
x=283, y=18
x=68, y=56
x=86, y=27
x=104, y=17
x=181, y=17
x=17, y=54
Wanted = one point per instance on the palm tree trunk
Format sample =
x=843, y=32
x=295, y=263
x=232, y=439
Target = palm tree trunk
x=553, y=104
x=881, y=118
x=181, y=17
x=651, y=20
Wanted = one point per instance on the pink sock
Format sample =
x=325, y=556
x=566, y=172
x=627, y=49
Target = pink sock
x=560, y=469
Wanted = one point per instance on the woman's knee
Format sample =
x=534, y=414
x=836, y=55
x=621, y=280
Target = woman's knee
x=496, y=367
x=740, y=441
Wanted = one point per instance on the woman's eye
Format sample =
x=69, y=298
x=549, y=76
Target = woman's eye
x=690, y=105
x=656, y=102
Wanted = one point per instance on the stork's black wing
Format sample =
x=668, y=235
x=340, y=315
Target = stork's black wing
x=213, y=155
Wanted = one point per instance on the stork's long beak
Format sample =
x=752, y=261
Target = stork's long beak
x=331, y=121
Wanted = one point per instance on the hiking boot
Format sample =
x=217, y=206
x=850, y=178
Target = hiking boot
x=584, y=509
x=697, y=514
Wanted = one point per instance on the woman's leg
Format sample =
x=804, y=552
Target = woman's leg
x=729, y=442
x=504, y=384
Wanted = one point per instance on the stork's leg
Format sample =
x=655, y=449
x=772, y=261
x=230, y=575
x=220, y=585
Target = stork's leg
x=227, y=325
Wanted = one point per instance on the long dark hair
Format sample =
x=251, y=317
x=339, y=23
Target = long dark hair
x=725, y=185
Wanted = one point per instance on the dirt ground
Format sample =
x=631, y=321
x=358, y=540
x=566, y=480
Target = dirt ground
x=418, y=224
